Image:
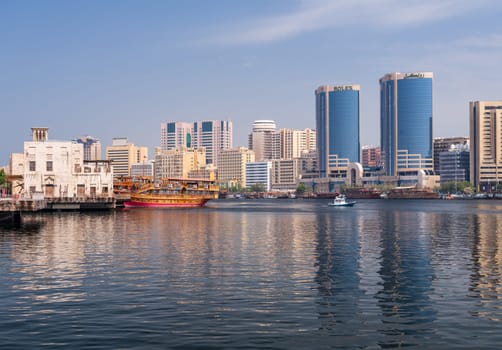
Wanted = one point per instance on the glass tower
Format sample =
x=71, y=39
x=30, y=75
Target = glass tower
x=406, y=122
x=337, y=126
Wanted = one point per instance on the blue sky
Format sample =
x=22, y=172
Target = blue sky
x=120, y=68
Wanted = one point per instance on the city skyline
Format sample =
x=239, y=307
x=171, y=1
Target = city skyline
x=120, y=69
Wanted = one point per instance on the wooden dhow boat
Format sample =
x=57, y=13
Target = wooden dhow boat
x=173, y=193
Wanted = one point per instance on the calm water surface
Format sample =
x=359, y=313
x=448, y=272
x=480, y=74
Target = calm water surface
x=259, y=274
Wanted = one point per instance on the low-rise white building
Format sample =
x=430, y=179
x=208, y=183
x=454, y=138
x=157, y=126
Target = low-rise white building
x=259, y=173
x=58, y=170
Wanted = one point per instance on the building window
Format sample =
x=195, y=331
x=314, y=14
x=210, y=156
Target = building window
x=33, y=165
x=49, y=165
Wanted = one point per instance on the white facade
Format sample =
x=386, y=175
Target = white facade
x=175, y=134
x=264, y=140
x=16, y=168
x=58, y=170
x=213, y=135
x=259, y=173
x=143, y=169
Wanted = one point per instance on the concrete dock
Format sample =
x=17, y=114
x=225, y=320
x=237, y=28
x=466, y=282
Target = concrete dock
x=11, y=209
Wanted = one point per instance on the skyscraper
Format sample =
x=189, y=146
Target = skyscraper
x=406, y=122
x=92, y=147
x=443, y=144
x=123, y=154
x=264, y=140
x=175, y=134
x=486, y=144
x=214, y=136
x=337, y=126
x=293, y=143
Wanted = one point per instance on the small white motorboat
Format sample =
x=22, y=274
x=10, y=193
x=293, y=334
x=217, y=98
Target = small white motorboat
x=341, y=201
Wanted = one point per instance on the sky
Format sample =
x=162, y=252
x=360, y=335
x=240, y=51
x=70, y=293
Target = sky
x=120, y=68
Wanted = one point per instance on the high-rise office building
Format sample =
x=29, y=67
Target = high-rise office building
x=175, y=134
x=123, y=154
x=337, y=126
x=92, y=147
x=178, y=162
x=293, y=143
x=443, y=144
x=486, y=144
x=406, y=122
x=213, y=135
x=264, y=140
x=454, y=163
x=232, y=166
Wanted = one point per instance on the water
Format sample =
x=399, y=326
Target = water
x=258, y=274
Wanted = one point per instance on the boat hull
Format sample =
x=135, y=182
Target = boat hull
x=172, y=204
x=350, y=204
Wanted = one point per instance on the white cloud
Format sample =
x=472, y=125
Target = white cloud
x=314, y=15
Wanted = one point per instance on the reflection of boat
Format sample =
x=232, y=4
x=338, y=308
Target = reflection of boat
x=173, y=193
x=341, y=201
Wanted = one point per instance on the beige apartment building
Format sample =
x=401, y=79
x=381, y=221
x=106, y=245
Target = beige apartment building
x=293, y=143
x=285, y=174
x=486, y=144
x=232, y=166
x=179, y=162
x=123, y=154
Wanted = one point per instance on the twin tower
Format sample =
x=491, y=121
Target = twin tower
x=405, y=124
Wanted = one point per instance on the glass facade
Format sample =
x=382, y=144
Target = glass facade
x=344, y=124
x=337, y=127
x=321, y=117
x=406, y=121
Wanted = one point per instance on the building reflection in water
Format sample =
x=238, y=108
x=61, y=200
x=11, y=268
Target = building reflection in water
x=52, y=264
x=373, y=274
x=342, y=302
x=486, y=276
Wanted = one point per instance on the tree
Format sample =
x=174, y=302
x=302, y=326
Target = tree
x=2, y=178
x=301, y=188
x=454, y=187
x=259, y=187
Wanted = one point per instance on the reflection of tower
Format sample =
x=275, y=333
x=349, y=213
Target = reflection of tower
x=338, y=273
x=487, y=257
x=407, y=274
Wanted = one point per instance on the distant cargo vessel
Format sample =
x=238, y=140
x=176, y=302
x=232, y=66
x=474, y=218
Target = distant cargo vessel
x=173, y=193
